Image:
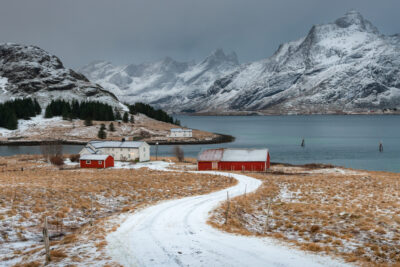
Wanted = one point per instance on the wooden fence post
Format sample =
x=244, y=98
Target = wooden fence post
x=267, y=218
x=46, y=241
x=227, y=207
x=91, y=210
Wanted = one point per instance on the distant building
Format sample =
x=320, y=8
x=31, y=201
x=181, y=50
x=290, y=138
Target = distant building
x=179, y=132
x=121, y=151
x=234, y=159
x=96, y=161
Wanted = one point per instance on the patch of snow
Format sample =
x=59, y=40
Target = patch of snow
x=336, y=171
x=153, y=165
x=37, y=121
x=3, y=83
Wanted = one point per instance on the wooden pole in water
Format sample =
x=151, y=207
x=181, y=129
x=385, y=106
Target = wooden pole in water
x=380, y=146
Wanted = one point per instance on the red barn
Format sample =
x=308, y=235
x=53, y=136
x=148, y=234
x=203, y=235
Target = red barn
x=233, y=159
x=96, y=161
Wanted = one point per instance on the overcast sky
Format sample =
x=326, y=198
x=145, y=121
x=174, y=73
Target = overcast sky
x=133, y=31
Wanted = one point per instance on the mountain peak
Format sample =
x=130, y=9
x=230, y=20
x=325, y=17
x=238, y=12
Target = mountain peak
x=219, y=55
x=355, y=18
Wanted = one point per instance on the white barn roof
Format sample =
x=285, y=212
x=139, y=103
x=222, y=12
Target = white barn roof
x=180, y=130
x=211, y=155
x=94, y=157
x=116, y=144
x=233, y=154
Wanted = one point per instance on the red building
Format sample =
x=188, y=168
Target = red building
x=234, y=159
x=96, y=161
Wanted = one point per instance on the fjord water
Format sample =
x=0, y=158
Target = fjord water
x=348, y=140
x=344, y=140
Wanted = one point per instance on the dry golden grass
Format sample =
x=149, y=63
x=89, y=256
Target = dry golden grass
x=71, y=199
x=354, y=214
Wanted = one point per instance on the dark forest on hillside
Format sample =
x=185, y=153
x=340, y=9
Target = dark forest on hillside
x=92, y=110
x=157, y=114
x=13, y=110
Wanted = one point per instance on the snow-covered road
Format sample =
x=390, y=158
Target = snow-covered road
x=175, y=233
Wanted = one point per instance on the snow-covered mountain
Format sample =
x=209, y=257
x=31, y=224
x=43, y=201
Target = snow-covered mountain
x=166, y=83
x=29, y=71
x=345, y=66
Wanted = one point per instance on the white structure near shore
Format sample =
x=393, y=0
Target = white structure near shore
x=122, y=151
x=179, y=132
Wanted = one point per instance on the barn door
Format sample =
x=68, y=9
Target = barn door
x=214, y=165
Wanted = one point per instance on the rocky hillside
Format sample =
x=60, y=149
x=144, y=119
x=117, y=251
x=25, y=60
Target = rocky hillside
x=343, y=66
x=31, y=71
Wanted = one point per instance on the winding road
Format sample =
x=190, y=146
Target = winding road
x=175, y=233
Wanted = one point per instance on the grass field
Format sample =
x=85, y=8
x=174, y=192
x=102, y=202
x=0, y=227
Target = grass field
x=351, y=214
x=73, y=200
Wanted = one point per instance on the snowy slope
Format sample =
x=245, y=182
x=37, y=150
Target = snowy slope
x=346, y=65
x=164, y=83
x=31, y=71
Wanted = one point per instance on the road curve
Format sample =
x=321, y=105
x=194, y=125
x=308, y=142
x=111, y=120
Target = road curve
x=175, y=233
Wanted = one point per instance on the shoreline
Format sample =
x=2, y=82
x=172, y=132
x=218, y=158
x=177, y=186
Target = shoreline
x=222, y=138
x=250, y=114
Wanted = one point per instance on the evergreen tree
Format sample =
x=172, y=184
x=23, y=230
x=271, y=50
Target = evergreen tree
x=102, y=134
x=48, y=112
x=117, y=115
x=8, y=119
x=12, y=122
x=125, y=118
x=132, y=120
x=111, y=127
x=38, y=109
x=102, y=126
x=88, y=122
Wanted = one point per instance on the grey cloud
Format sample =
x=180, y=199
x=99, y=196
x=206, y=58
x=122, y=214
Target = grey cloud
x=123, y=31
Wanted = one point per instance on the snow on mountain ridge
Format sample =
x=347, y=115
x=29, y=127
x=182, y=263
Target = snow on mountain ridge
x=343, y=66
x=165, y=80
x=29, y=71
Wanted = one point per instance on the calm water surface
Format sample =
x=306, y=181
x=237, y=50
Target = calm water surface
x=350, y=141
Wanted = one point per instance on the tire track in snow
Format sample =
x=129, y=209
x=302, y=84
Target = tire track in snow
x=175, y=233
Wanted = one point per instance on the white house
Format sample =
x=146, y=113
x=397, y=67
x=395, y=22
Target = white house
x=179, y=132
x=119, y=150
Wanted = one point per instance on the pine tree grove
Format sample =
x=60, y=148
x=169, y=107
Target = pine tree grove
x=157, y=114
x=13, y=110
x=80, y=110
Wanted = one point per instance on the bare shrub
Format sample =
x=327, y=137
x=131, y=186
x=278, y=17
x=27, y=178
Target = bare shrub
x=74, y=157
x=179, y=154
x=57, y=160
x=58, y=254
x=50, y=149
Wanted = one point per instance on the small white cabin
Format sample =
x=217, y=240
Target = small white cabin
x=121, y=151
x=179, y=132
